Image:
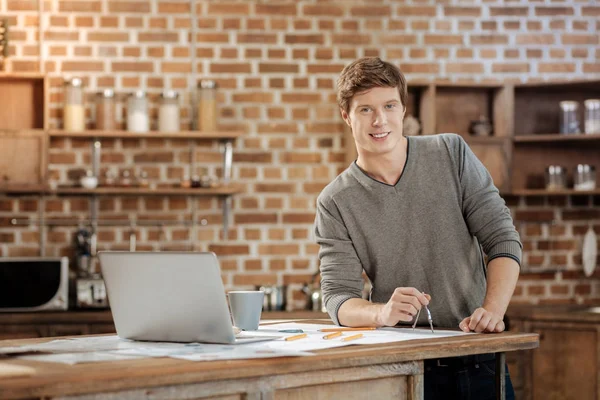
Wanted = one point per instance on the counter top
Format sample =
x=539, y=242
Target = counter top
x=152, y=375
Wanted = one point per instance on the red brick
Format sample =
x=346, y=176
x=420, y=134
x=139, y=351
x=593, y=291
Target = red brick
x=553, y=11
x=158, y=37
x=304, y=98
x=276, y=9
x=79, y=6
x=59, y=36
x=510, y=68
x=254, y=279
x=304, y=39
x=174, y=7
x=556, y=67
x=322, y=10
x=278, y=249
x=462, y=11
x=229, y=250
x=443, y=39
x=274, y=188
x=420, y=68
x=128, y=6
x=277, y=67
x=21, y=5
x=580, y=39
x=302, y=158
x=355, y=39
x=71, y=66
x=462, y=68
x=298, y=218
x=228, y=8
x=176, y=67
x=489, y=39
x=108, y=37
x=221, y=68
x=394, y=39
x=256, y=218
x=509, y=11
x=535, y=39
x=132, y=66
x=260, y=38
x=403, y=11
x=212, y=38
x=371, y=11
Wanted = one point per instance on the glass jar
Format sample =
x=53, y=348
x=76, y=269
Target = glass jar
x=105, y=110
x=207, y=106
x=568, y=117
x=556, y=177
x=168, y=112
x=592, y=115
x=584, y=177
x=138, y=119
x=74, y=107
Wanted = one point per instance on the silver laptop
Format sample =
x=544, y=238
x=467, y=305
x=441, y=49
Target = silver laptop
x=169, y=297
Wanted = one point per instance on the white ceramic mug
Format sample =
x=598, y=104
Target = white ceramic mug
x=246, y=308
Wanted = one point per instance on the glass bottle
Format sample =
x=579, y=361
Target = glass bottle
x=105, y=110
x=592, y=115
x=568, y=117
x=138, y=119
x=168, y=112
x=207, y=106
x=74, y=107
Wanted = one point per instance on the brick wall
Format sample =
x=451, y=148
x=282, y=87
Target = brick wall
x=276, y=63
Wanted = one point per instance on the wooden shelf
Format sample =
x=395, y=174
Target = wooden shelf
x=556, y=137
x=22, y=189
x=149, y=135
x=544, y=192
x=166, y=191
x=485, y=139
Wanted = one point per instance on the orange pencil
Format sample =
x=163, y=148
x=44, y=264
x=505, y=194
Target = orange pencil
x=357, y=336
x=296, y=337
x=366, y=328
x=333, y=335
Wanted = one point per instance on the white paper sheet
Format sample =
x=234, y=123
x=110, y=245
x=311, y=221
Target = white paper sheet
x=75, y=358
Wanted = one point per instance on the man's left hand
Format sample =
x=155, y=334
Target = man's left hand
x=482, y=320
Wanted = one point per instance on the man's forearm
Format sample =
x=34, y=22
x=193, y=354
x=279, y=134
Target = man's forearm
x=502, y=276
x=359, y=312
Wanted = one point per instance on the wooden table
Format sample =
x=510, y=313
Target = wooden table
x=385, y=371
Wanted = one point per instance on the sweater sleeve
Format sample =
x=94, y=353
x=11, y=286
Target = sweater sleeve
x=341, y=270
x=484, y=210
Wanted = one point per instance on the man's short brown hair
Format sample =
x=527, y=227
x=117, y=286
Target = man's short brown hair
x=367, y=73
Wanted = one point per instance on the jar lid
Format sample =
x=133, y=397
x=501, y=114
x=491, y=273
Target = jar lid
x=592, y=103
x=169, y=94
x=585, y=168
x=555, y=169
x=138, y=93
x=77, y=82
x=107, y=93
x=568, y=105
x=207, y=84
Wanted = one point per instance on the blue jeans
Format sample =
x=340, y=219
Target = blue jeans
x=464, y=378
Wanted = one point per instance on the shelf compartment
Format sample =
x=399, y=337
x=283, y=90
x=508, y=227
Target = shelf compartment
x=556, y=138
x=226, y=135
x=533, y=157
x=23, y=157
x=537, y=108
x=23, y=101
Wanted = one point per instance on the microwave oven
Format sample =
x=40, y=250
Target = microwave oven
x=34, y=284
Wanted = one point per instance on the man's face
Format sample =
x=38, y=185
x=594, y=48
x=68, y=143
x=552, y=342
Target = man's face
x=375, y=117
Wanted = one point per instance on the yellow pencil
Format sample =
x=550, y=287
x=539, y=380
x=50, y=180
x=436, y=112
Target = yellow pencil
x=357, y=336
x=366, y=328
x=333, y=335
x=296, y=337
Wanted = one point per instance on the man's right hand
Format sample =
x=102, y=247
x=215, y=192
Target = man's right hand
x=402, y=306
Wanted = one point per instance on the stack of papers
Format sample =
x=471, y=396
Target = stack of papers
x=113, y=348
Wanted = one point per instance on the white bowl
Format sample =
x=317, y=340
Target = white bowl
x=89, y=182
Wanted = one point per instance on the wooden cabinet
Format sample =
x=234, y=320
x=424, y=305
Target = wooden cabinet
x=565, y=366
x=525, y=120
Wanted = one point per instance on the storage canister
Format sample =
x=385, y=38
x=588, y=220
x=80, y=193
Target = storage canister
x=592, y=115
x=207, y=106
x=168, y=112
x=74, y=107
x=105, y=110
x=138, y=119
x=568, y=117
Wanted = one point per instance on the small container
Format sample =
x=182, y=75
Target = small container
x=105, y=110
x=592, y=115
x=89, y=181
x=584, y=177
x=138, y=119
x=74, y=106
x=207, y=106
x=168, y=112
x=569, y=123
x=556, y=177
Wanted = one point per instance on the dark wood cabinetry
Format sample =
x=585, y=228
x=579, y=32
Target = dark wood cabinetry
x=565, y=366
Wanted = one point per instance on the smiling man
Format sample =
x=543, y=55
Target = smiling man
x=414, y=213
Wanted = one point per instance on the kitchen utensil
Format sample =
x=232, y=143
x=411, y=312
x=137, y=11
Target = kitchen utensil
x=589, y=252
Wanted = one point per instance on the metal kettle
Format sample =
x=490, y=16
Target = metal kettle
x=314, y=295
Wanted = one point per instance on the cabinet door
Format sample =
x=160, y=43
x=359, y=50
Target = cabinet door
x=565, y=365
x=102, y=328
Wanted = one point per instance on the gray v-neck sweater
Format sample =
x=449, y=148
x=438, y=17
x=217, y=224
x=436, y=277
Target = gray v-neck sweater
x=422, y=232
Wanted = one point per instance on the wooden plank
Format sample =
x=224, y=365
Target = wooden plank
x=107, y=191
x=503, y=111
x=557, y=138
x=55, y=379
x=150, y=135
x=427, y=115
x=495, y=159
